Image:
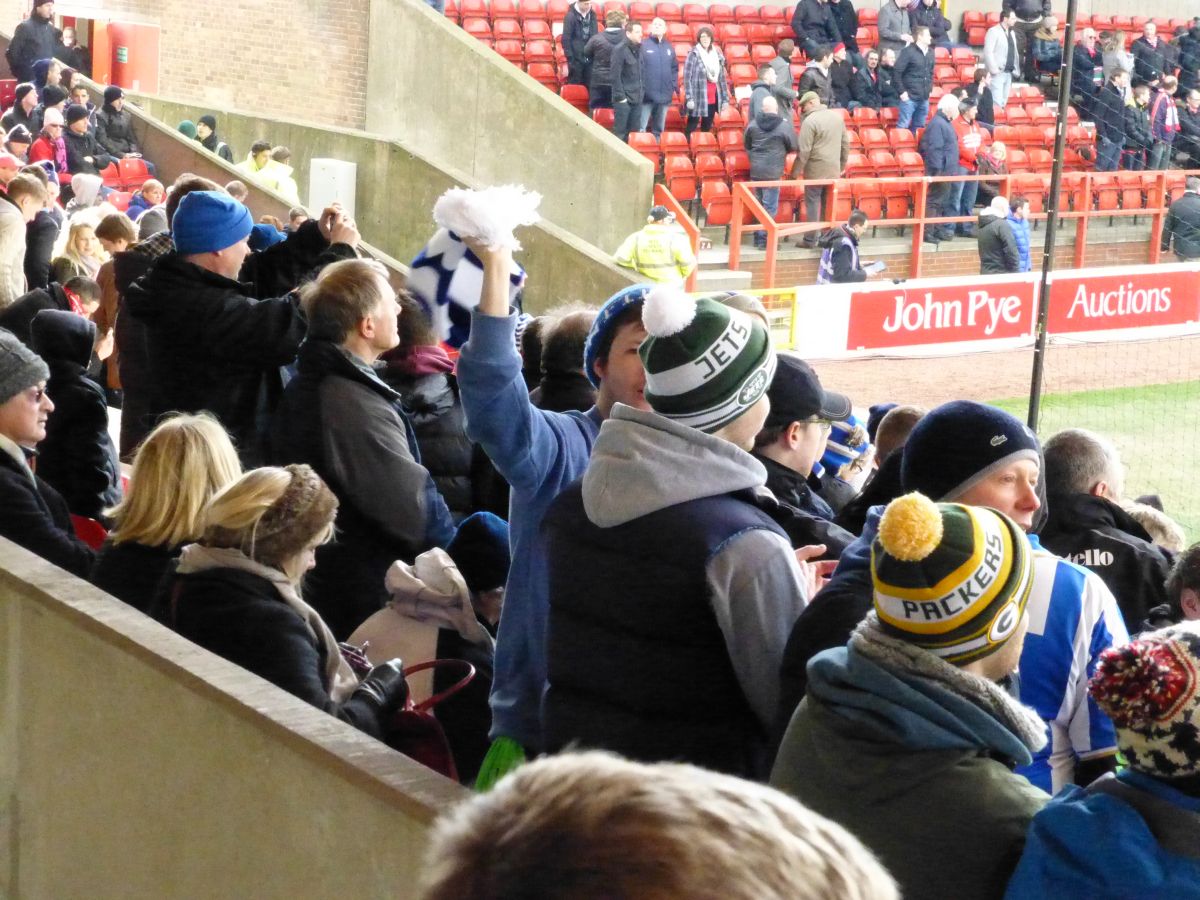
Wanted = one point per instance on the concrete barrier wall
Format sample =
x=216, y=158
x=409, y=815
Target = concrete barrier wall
x=451, y=98
x=134, y=764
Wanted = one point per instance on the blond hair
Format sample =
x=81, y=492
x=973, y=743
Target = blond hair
x=344, y=294
x=592, y=825
x=67, y=246
x=176, y=471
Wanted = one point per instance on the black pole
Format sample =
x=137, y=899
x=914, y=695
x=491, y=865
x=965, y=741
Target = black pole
x=1060, y=143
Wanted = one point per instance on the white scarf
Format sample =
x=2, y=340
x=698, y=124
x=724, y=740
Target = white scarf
x=340, y=680
x=711, y=59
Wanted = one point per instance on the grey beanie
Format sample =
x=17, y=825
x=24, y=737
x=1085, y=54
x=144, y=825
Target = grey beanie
x=20, y=367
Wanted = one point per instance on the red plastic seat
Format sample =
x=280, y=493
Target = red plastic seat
x=869, y=197
x=603, y=118
x=901, y=139
x=1040, y=160
x=858, y=166
x=1106, y=191
x=874, y=139
x=729, y=142
x=641, y=11
x=674, y=144
x=746, y=14
x=761, y=54
x=739, y=55
x=512, y=50
x=1018, y=161
x=134, y=173
x=576, y=95
x=680, y=178
x=695, y=14
x=865, y=117
x=537, y=30
x=450, y=11
x=506, y=29
x=544, y=73
x=669, y=12
x=774, y=15
x=111, y=176
x=884, y=164
x=720, y=13
x=646, y=144
x=477, y=27
x=539, y=51
x=717, y=203
x=709, y=168
x=531, y=9
x=89, y=531
x=1034, y=188
x=473, y=9
x=911, y=162
x=737, y=165
x=1131, y=190
x=742, y=75
x=703, y=142
x=729, y=119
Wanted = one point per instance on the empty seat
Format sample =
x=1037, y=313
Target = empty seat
x=737, y=165
x=669, y=12
x=901, y=139
x=720, y=13
x=745, y=14
x=545, y=73
x=539, y=51
x=884, y=164
x=673, y=144
x=703, y=142
x=511, y=50
x=710, y=167
x=717, y=203
x=536, y=30
x=506, y=29
x=680, y=178
x=531, y=9
x=576, y=95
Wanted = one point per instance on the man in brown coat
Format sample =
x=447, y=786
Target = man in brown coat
x=824, y=150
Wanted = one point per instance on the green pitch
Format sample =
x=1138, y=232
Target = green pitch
x=1157, y=429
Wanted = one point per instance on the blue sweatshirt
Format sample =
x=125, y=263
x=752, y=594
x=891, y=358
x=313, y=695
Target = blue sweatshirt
x=538, y=453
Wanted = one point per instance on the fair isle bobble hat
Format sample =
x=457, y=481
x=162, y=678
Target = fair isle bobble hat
x=951, y=579
x=600, y=338
x=706, y=363
x=1150, y=688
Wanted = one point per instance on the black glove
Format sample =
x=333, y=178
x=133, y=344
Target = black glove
x=384, y=687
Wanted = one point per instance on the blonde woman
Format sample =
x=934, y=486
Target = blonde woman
x=177, y=470
x=237, y=593
x=1116, y=56
x=81, y=253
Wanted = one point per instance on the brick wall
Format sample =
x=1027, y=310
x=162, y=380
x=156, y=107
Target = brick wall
x=303, y=59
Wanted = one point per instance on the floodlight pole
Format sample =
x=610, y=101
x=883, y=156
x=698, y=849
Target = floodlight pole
x=1060, y=143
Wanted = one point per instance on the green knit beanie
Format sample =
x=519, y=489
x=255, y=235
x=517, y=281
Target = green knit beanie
x=706, y=362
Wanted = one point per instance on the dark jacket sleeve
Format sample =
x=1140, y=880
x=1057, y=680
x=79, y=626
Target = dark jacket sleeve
x=83, y=467
x=285, y=266
x=42, y=527
x=1008, y=242
x=102, y=133
x=100, y=159
x=843, y=271
x=40, y=235
x=260, y=331
x=616, y=67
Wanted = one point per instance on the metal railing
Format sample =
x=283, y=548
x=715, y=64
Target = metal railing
x=1078, y=201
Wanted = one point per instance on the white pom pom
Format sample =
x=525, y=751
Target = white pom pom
x=489, y=215
x=667, y=310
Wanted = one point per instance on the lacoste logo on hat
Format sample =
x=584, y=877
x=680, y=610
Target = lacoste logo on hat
x=999, y=439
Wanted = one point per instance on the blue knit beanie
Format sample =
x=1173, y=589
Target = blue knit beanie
x=480, y=550
x=600, y=337
x=961, y=443
x=263, y=236
x=209, y=220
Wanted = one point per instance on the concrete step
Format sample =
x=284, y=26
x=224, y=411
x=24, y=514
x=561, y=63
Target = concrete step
x=718, y=279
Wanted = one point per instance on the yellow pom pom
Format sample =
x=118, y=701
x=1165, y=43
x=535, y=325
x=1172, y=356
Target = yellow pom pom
x=911, y=528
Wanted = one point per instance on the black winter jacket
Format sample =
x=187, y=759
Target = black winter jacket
x=1150, y=63
x=1097, y=533
x=888, y=89
x=1028, y=10
x=599, y=51
x=939, y=146
x=40, y=235
x=931, y=17
x=625, y=73
x=914, y=72
x=17, y=317
x=577, y=31
x=214, y=144
x=840, y=76
x=114, y=131
x=241, y=617
x=79, y=148
x=867, y=89
x=1183, y=225
x=132, y=572
x=77, y=455
x=1137, y=128
x=1189, y=60
x=34, y=516
x=212, y=347
x=845, y=16
x=842, y=259
x=819, y=23
x=33, y=39
x=1110, y=114
x=768, y=140
x=998, y=253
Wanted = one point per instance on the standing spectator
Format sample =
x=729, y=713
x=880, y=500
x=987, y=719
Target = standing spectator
x=206, y=133
x=339, y=417
x=914, y=79
x=32, y=514
x=660, y=75
x=42, y=233
x=116, y=234
x=929, y=14
x=85, y=156
x=939, y=148
x=77, y=456
x=705, y=89
x=816, y=74
x=846, y=18
x=50, y=145
x=1149, y=55
x=35, y=38
x=762, y=88
x=625, y=76
x=1029, y=19
x=598, y=52
x=1001, y=57
x=798, y=33
x=579, y=27
x=824, y=148
x=114, y=126
x=888, y=89
x=971, y=138
x=1047, y=52
x=1137, y=130
x=998, y=253
x=70, y=53
x=895, y=26
x=784, y=88
x=1018, y=220
x=839, y=252
x=820, y=25
x=21, y=112
x=1110, y=121
x=26, y=196
x=1189, y=60
x=1086, y=66
x=865, y=88
x=1115, y=57
x=1182, y=224
x=768, y=140
x=841, y=73
x=1188, y=139
x=660, y=251
x=1164, y=123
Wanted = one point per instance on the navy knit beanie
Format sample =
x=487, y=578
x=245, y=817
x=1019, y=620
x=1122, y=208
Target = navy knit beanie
x=959, y=444
x=876, y=414
x=209, y=220
x=600, y=337
x=480, y=550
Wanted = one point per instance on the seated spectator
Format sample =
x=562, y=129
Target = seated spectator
x=85, y=156
x=929, y=14
x=895, y=427
x=866, y=87
x=893, y=430
x=237, y=593
x=285, y=184
x=79, y=94
x=889, y=90
x=152, y=194
x=25, y=196
x=846, y=462
x=80, y=255
x=48, y=73
x=943, y=732
x=297, y=216
x=724, y=547
x=17, y=142
x=52, y=98
x=1183, y=593
x=79, y=295
x=338, y=416
x=10, y=166
x=32, y=514
x=21, y=112
x=563, y=386
x=237, y=190
x=1130, y=834
x=1085, y=479
x=178, y=468
x=77, y=457
x=841, y=73
x=839, y=252
x=41, y=234
x=816, y=75
x=206, y=133
x=1046, y=49
x=592, y=826
x=992, y=160
x=86, y=193
x=50, y=145
x=187, y=128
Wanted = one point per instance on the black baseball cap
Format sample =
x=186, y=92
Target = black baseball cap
x=658, y=213
x=796, y=394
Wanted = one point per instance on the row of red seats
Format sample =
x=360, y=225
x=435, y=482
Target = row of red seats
x=688, y=13
x=126, y=174
x=976, y=24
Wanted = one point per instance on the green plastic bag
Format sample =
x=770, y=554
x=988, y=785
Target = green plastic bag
x=503, y=756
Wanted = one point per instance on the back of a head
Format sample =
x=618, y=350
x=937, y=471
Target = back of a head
x=948, y=105
x=26, y=186
x=1077, y=460
x=116, y=227
x=415, y=328
x=178, y=468
x=1192, y=184
x=184, y=185
x=562, y=345
x=592, y=826
x=894, y=428
x=343, y=295
x=1185, y=575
